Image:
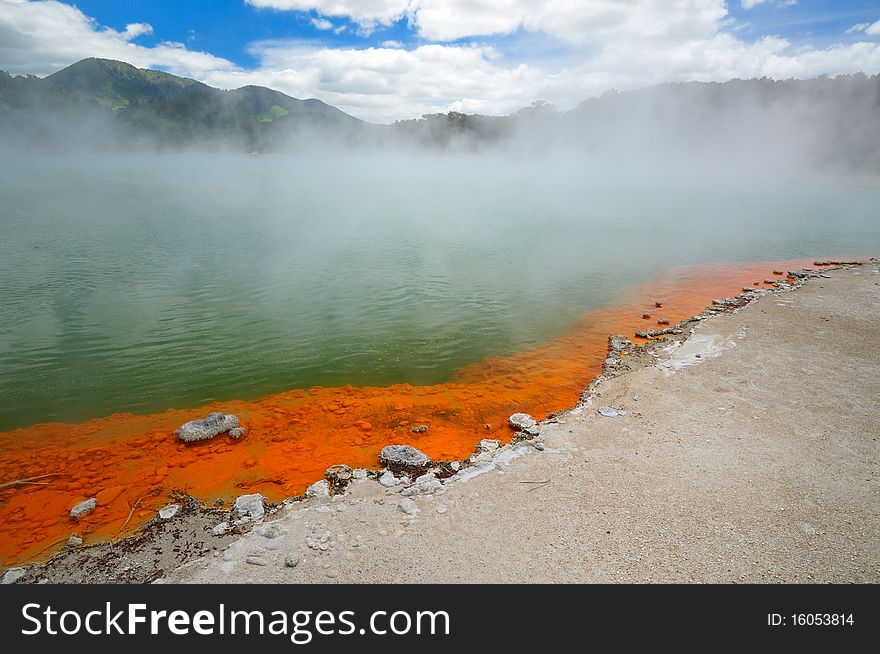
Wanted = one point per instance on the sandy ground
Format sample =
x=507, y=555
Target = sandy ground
x=757, y=463
x=748, y=453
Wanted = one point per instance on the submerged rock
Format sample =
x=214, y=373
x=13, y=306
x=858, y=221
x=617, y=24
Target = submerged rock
x=207, y=428
x=237, y=432
x=403, y=458
x=419, y=429
x=521, y=421
x=249, y=507
x=84, y=508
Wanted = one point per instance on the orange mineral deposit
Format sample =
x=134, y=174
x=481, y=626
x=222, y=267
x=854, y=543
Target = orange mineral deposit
x=131, y=463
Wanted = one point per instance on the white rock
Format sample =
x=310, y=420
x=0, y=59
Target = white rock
x=388, y=480
x=319, y=489
x=84, y=508
x=521, y=421
x=249, y=507
x=610, y=412
x=74, y=541
x=408, y=506
x=12, y=575
x=168, y=512
x=220, y=529
x=488, y=445
x=360, y=473
x=427, y=484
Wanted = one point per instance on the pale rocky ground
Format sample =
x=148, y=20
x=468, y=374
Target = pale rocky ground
x=758, y=463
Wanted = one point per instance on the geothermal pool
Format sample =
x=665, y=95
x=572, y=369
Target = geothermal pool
x=334, y=303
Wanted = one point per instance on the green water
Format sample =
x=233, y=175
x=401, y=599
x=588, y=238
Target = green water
x=139, y=283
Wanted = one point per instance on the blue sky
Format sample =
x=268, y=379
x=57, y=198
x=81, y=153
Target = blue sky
x=389, y=59
x=227, y=27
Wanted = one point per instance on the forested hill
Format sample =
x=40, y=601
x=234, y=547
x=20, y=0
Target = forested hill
x=111, y=102
x=832, y=122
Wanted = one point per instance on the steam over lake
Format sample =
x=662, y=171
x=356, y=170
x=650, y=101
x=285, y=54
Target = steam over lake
x=142, y=282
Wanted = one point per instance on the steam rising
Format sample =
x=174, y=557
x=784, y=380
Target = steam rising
x=142, y=272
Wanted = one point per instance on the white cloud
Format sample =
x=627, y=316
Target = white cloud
x=363, y=12
x=322, y=24
x=575, y=21
x=748, y=4
x=42, y=37
x=871, y=29
x=134, y=30
x=642, y=43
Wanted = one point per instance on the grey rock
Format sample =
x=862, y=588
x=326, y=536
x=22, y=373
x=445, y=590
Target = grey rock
x=13, y=574
x=618, y=342
x=610, y=412
x=249, y=507
x=521, y=421
x=291, y=560
x=408, y=506
x=74, y=541
x=168, y=512
x=402, y=458
x=206, y=428
x=419, y=429
x=84, y=508
x=237, y=432
x=488, y=445
x=253, y=559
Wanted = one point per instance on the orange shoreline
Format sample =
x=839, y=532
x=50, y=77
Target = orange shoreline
x=131, y=463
